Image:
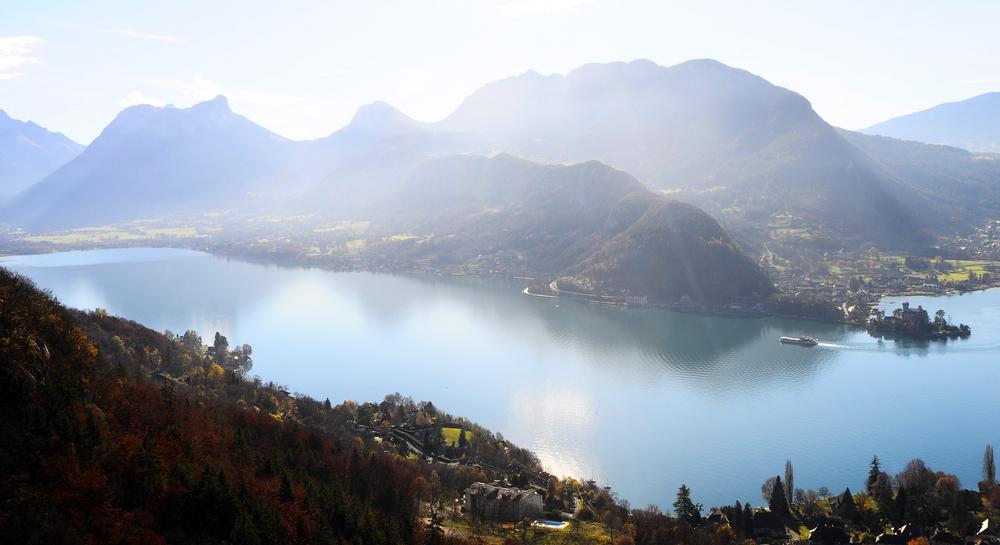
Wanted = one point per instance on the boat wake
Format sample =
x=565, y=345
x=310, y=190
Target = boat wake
x=889, y=346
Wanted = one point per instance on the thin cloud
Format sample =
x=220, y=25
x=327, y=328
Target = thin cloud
x=521, y=8
x=138, y=97
x=987, y=81
x=145, y=35
x=197, y=89
x=16, y=52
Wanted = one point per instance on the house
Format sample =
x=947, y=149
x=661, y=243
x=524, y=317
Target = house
x=716, y=518
x=495, y=502
x=989, y=533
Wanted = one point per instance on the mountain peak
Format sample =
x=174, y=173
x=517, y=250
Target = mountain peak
x=380, y=116
x=219, y=103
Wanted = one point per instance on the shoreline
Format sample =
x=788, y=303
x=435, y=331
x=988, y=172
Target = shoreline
x=520, y=276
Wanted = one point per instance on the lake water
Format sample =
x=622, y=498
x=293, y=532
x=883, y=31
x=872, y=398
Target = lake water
x=641, y=399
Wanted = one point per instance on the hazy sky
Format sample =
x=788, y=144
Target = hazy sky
x=302, y=68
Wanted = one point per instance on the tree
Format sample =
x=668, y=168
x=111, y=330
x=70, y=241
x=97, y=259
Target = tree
x=767, y=489
x=939, y=317
x=778, y=503
x=789, y=480
x=989, y=467
x=220, y=348
x=881, y=492
x=191, y=339
x=241, y=356
x=685, y=508
x=874, y=469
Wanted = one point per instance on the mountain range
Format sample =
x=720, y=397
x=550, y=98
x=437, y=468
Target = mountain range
x=154, y=162
x=716, y=136
x=28, y=153
x=731, y=142
x=755, y=156
x=972, y=124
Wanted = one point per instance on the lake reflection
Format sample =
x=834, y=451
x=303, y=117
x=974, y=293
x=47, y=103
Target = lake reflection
x=642, y=399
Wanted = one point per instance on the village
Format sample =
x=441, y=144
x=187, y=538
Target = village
x=512, y=500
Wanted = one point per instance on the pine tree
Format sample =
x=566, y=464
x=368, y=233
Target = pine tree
x=685, y=508
x=779, y=502
x=873, y=472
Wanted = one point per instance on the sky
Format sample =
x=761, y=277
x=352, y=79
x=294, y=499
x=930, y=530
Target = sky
x=302, y=68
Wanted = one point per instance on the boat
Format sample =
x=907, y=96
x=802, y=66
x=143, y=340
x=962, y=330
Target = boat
x=801, y=341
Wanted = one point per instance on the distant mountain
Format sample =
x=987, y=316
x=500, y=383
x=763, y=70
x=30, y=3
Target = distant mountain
x=754, y=155
x=728, y=140
x=156, y=162
x=972, y=124
x=366, y=161
x=675, y=126
x=587, y=221
x=28, y=153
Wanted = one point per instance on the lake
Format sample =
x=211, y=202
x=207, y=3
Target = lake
x=640, y=399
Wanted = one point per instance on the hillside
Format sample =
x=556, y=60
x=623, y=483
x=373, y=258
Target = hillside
x=28, y=153
x=153, y=162
x=113, y=433
x=588, y=221
x=972, y=124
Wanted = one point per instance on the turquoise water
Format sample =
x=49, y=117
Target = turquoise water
x=640, y=399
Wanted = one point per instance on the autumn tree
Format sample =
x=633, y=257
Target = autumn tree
x=191, y=340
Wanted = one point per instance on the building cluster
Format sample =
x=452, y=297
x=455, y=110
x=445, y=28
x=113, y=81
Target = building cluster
x=492, y=501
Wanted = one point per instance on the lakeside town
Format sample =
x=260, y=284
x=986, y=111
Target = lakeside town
x=838, y=287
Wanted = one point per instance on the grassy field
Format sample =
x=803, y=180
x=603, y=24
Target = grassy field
x=354, y=228
x=947, y=271
x=92, y=235
x=356, y=246
x=451, y=436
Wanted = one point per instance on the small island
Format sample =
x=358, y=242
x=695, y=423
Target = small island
x=915, y=323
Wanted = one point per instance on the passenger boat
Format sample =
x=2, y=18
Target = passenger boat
x=801, y=341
